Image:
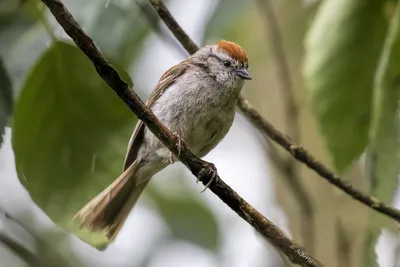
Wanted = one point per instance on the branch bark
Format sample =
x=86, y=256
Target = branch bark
x=297, y=151
x=201, y=169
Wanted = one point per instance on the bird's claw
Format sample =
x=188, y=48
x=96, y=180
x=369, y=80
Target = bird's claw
x=208, y=173
x=171, y=158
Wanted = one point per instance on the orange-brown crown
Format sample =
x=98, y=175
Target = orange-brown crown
x=234, y=50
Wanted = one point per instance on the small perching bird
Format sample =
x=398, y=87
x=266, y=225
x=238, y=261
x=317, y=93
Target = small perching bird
x=196, y=99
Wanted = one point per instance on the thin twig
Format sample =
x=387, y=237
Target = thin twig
x=298, y=152
x=290, y=168
x=170, y=21
x=153, y=19
x=201, y=169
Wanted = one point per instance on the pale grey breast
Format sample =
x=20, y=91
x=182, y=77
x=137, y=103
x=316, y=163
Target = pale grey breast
x=202, y=122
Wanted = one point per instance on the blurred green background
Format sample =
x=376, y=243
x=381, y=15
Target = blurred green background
x=63, y=132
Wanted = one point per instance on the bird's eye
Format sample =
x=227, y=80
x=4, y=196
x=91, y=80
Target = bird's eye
x=227, y=63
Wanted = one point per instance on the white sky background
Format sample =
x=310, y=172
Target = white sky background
x=241, y=162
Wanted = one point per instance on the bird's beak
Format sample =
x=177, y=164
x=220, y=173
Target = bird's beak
x=244, y=74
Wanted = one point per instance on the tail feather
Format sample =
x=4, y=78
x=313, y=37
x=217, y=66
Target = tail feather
x=108, y=211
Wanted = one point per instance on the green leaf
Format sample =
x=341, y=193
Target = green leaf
x=69, y=132
x=383, y=154
x=342, y=51
x=22, y=40
x=188, y=219
x=384, y=149
x=6, y=101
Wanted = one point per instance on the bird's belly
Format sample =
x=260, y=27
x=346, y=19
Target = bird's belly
x=202, y=120
x=207, y=131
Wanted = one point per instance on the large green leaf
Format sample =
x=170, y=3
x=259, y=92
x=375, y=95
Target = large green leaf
x=383, y=155
x=342, y=50
x=6, y=101
x=69, y=132
x=188, y=219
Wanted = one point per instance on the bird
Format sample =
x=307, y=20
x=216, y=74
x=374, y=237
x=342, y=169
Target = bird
x=196, y=99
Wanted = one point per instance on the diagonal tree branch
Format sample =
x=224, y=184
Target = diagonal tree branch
x=201, y=169
x=297, y=151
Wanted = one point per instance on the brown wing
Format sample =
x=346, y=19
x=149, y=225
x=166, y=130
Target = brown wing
x=168, y=78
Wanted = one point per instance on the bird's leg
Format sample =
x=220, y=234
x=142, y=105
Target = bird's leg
x=172, y=158
x=210, y=173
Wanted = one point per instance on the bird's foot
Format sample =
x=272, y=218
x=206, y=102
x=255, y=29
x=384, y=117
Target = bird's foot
x=209, y=173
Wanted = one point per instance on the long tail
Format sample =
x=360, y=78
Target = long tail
x=108, y=211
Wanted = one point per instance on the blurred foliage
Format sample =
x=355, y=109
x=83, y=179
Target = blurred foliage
x=339, y=69
x=6, y=102
x=22, y=40
x=121, y=43
x=12, y=25
x=188, y=219
x=383, y=155
x=53, y=247
x=69, y=146
x=70, y=130
x=353, y=82
x=50, y=246
x=223, y=19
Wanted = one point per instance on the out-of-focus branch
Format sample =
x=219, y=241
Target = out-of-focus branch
x=19, y=250
x=343, y=245
x=290, y=168
x=302, y=155
x=275, y=39
x=204, y=171
x=396, y=256
x=25, y=254
x=297, y=151
x=45, y=254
